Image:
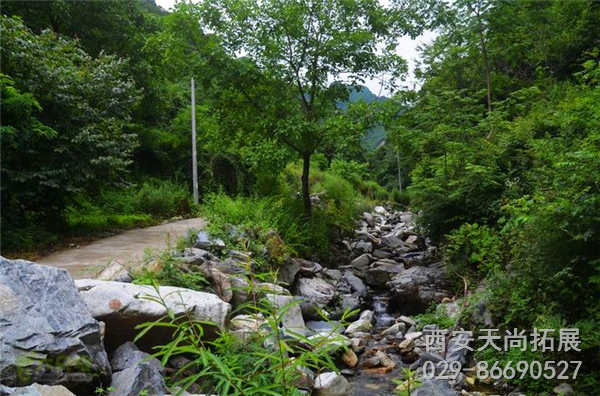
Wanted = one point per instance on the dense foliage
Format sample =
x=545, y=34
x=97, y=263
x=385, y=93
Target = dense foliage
x=502, y=149
x=499, y=147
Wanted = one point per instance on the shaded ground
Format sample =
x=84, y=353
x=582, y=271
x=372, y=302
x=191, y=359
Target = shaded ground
x=127, y=247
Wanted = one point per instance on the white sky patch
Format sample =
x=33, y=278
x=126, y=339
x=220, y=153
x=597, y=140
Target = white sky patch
x=407, y=48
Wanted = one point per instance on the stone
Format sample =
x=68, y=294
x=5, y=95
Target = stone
x=307, y=268
x=128, y=355
x=349, y=358
x=115, y=272
x=392, y=241
x=363, y=247
x=359, y=326
x=434, y=387
x=270, y=288
x=367, y=315
x=287, y=271
x=331, y=384
x=380, y=275
x=46, y=329
x=426, y=357
x=333, y=274
x=418, y=287
x=381, y=210
x=378, y=364
x=413, y=336
x=456, y=352
x=563, y=389
x=407, y=320
x=381, y=254
x=40, y=390
x=315, y=292
x=394, y=329
x=222, y=285
x=205, y=241
x=369, y=219
x=122, y=306
x=412, y=240
x=318, y=326
x=246, y=325
x=292, y=320
x=359, y=289
x=361, y=262
x=195, y=256
x=133, y=381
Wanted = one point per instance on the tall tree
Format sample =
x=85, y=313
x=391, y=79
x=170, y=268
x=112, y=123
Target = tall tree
x=306, y=46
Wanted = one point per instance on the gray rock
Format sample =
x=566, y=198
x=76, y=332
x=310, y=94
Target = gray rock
x=291, y=320
x=358, y=287
x=143, y=377
x=128, y=355
x=369, y=219
x=308, y=268
x=316, y=293
x=115, y=272
x=455, y=351
x=288, y=271
x=361, y=262
x=47, y=333
x=392, y=241
x=122, y=307
x=435, y=387
x=381, y=210
x=417, y=287
x=40, y=390
x=195, y=256
x=319, y=326
x=363, y=247
x=331, y=384
x=205, y=241
x=379, y=275
x=563, y=389
x=381, y=254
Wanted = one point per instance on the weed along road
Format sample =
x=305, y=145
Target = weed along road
x=126, y=247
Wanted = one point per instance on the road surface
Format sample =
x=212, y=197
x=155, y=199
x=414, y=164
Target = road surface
x=127, y=248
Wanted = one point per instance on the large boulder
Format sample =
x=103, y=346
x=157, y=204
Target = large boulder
x=379, y=274
x=416, y=288
x=123, y=306
x=359, y=289
x=47, y=333
x=315, y=292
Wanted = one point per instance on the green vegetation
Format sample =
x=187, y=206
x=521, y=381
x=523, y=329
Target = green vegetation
x=499, y=147
x=501, y=151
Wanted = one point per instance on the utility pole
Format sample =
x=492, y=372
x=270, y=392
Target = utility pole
x=194, y=153
x=399, y=170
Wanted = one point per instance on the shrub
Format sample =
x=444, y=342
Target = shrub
x=163, y=198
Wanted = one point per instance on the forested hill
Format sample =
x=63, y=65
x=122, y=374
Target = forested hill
x=375, y=135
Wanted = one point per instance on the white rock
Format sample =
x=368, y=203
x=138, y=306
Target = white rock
x=122, y=306
x=331, y=384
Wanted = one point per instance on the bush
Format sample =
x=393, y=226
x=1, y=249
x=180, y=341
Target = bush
x=163, y=199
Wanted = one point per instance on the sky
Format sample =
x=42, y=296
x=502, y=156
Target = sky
x=407, y=48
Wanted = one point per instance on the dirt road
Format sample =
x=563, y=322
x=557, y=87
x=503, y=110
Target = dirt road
x=126, y=247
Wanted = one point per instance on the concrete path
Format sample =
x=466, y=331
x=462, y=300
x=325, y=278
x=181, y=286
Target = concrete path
x=127, y=247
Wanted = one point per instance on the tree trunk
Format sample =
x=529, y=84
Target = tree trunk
x=305, y=188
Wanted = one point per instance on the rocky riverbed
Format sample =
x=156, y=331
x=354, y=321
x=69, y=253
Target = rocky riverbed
x=67, y=336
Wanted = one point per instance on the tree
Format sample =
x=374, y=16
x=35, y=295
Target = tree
x=65, y=120
x=314, y=51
